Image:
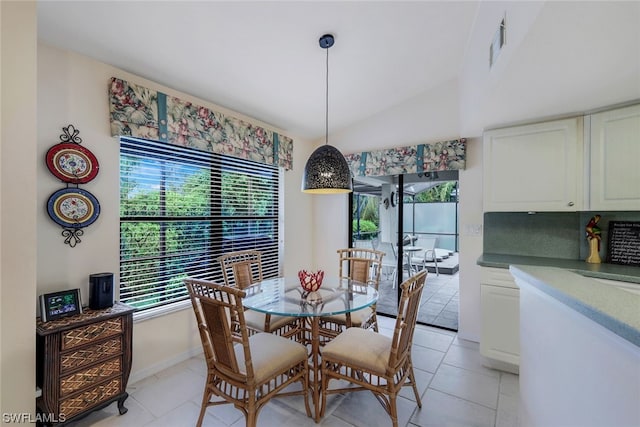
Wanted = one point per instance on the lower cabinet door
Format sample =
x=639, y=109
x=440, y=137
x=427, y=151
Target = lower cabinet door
x=500, y=334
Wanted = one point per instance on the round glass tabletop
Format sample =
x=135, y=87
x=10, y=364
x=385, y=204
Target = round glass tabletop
x=285, y=297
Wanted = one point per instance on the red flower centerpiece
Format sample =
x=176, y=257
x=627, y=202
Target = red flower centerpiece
x=309, y=280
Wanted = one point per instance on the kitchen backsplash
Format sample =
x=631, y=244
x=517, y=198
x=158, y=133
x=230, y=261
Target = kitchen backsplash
x=546, y=234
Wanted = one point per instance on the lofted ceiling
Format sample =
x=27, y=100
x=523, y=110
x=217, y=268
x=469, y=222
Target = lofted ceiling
x=263, y=59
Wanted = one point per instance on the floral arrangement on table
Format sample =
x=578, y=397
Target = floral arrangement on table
x=310, y=280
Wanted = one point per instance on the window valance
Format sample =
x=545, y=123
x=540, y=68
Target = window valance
x=439, y=156
x=145, y=113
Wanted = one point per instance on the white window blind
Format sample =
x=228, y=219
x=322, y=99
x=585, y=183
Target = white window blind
x=180, y=209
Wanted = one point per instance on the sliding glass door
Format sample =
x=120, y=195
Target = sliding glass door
x=417, y=227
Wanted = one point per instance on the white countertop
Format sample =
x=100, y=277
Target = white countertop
x=622, y=273
x=616, y=309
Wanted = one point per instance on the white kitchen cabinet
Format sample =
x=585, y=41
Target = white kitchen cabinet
x=614, y=176
x=537, y=167
x=500, y=308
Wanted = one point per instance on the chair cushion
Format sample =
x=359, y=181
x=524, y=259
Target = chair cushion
x=357, y=317
x=360, y=348
x=255, y=320
x=279, y=321
x=270, y=355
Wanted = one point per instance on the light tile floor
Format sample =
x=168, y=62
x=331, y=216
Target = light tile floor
x=456, y=391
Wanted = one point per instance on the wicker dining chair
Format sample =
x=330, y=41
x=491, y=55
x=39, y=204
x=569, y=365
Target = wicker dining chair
x=244, y=268
x=362, y=265
x=244, y=370
x=381, y=364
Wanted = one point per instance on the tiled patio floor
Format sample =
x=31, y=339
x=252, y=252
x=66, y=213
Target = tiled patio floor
x=440, y=300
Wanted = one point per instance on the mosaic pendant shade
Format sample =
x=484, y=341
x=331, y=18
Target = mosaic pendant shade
x=326, y=172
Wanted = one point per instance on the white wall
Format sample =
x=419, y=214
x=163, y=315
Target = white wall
x=560, y=58
x=17, y=206
x=428, y=117
x=471, y=219
x=74, y=89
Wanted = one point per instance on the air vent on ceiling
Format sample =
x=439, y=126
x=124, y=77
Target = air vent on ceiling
x=499, y=39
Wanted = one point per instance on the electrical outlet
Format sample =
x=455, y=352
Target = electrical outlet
x=473, y=229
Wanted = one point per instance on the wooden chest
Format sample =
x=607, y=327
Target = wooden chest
x=83, y=362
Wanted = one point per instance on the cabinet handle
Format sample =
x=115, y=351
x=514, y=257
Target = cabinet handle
x=570, y=204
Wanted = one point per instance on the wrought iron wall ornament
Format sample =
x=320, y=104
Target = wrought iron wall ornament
x=71, y=207
x=69, y=161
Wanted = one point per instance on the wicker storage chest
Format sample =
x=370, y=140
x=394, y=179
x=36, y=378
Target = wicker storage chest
x=83, y=362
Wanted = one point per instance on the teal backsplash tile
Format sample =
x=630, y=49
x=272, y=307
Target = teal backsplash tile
x=543, y=234
x=547, y=234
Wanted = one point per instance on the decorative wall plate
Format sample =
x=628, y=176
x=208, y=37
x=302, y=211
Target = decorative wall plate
x=72, y=163
x=73, y=207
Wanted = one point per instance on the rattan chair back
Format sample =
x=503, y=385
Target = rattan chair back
x=361, y=264
x=406, y=320
x=241, y=268
x=220, y=316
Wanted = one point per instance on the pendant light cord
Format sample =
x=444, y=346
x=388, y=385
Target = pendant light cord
x=326, y=103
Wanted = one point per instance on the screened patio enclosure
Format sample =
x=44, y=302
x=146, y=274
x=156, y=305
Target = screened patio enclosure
x=422, y=209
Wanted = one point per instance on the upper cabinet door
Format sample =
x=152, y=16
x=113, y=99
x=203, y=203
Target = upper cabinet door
x=615, y=160
x=536, y=167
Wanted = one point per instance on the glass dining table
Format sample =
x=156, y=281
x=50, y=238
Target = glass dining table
x=284, y=296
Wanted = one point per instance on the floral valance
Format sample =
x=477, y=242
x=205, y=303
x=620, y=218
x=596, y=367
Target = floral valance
x=145, y=113
x=439, y=156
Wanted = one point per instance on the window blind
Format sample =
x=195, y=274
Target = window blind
x=180, y=209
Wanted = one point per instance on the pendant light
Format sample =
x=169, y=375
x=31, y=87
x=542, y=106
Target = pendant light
x=326, y=171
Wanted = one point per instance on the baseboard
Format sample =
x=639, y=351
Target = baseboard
x=161, y=366
x=500, y=365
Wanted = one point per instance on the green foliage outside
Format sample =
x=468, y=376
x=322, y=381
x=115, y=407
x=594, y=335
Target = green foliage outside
x=157, y=255
x=369, y=217
x=369, y=207
x=371, y=210
x=439, y=193
x=368, y=230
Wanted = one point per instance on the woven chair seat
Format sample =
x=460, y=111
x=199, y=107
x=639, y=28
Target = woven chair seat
x=270, y=355
x=374, y=359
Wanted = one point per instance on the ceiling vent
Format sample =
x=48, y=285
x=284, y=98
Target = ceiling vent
x=499, y=39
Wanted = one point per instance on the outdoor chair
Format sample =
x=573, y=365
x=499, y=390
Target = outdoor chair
x=429, y=256
x=242, y=370
x=406, y=265
x=373, y=361
x=390, y=261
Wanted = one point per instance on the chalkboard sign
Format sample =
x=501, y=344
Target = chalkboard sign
x=624, y=243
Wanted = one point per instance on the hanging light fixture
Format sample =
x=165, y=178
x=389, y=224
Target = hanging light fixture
x=326, y=171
